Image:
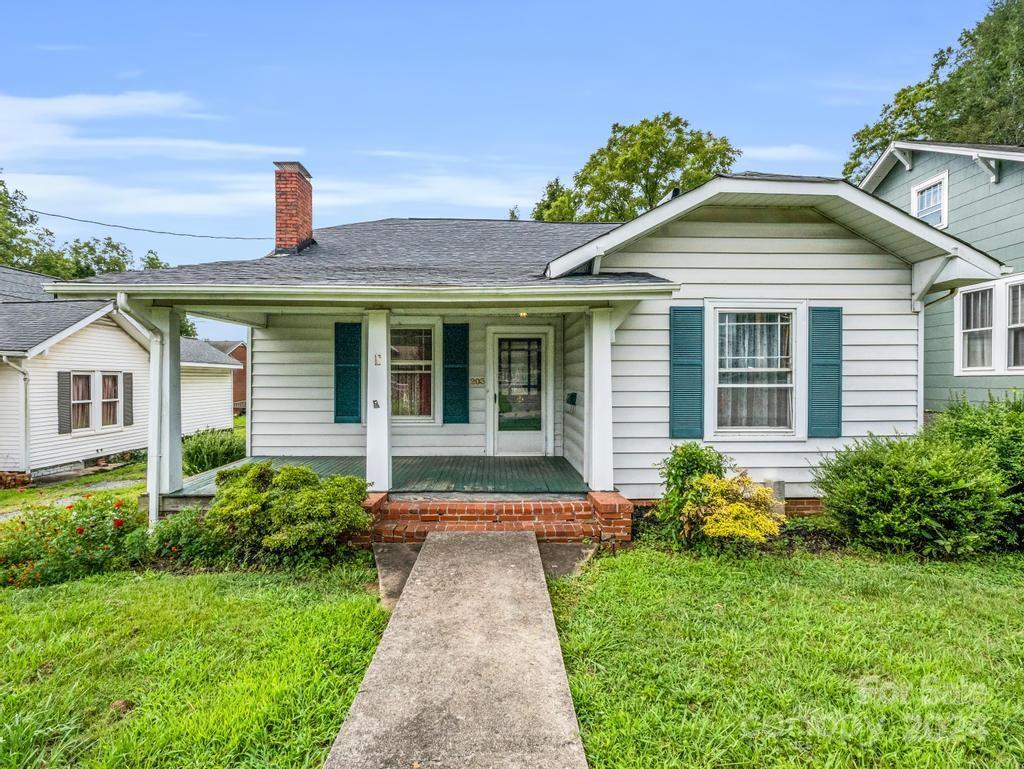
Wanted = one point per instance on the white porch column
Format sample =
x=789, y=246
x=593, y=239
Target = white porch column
x=378, y=401
x=599, y=446
x=164, y=466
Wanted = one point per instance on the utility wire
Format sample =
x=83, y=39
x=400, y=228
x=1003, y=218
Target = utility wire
x=143, y=229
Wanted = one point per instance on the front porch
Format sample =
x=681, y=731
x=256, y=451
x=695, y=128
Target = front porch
x=431, y=475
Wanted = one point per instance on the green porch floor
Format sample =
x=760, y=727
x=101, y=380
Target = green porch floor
x=500, y=475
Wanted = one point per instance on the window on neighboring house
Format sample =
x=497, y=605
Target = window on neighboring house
x=412, y=373
x=976, y=324
x=928, y=200
x=81, y=401
x=110, y=404
x=1015, y=326
x=755, y=370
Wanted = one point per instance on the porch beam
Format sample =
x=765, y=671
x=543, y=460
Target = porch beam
x=378, y=401
x=601, y=475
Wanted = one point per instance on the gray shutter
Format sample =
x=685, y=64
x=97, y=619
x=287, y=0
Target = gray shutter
x=686, y=372
x=825, y=373
x=63, y=402
x=128, y=399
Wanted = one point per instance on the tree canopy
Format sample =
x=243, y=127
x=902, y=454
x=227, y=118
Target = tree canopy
x=974, y=93
x=638, y=166
x=27, y=245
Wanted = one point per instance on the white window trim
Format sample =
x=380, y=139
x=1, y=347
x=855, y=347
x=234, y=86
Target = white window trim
x=436, y=326
x=1000, y=329
x=944, y=179
x=712, y=308
x=119, y=424
x=92, y=403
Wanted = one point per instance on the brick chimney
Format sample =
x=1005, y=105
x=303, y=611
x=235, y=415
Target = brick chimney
x=294, y=207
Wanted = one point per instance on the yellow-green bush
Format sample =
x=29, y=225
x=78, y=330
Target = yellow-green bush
x=731, y=509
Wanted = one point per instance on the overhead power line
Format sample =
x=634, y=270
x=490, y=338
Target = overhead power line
x=143, y=229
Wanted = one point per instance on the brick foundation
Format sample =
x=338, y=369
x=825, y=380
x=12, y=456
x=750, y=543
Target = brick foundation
x=13, y=480
x=797, y=508
x=600, y=517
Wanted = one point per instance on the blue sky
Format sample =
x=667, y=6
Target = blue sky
x=168, y=116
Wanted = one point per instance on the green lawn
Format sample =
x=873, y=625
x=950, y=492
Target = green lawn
x=221, y=670
x=44, y=493
x=803, y=661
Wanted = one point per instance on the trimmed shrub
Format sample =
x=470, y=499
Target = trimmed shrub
x=926, y=493
x=679, y=471
x=731, y=509
x=999, y=425
x=47, y=545
x=286, y=516
x=208, y=449
x=184, y=539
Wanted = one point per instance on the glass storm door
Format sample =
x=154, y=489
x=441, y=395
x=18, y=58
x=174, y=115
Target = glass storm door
x=519, y=398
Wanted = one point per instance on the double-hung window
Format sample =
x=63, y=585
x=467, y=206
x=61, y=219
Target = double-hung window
x=412, y=373
x=110, y=399
x=989, y=329
x=755, y=383
x=81, y=401
x=976, y=330
x=929, y=200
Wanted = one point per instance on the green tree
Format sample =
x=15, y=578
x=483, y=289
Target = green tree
x=513, y=214
x=974, y=93
x=638, y=166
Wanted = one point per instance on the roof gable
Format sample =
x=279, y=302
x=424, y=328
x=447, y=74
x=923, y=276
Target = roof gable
x=902, y=152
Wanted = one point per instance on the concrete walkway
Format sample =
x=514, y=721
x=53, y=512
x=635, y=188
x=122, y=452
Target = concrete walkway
x=469, y=673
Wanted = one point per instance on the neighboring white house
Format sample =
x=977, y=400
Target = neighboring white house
x=74, y=380
x=777, y=318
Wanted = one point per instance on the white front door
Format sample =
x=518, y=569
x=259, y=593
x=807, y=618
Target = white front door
x=519, y=399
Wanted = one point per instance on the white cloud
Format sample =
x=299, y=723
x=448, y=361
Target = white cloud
x=49, y=127
x=431, y=157
x=784, y=152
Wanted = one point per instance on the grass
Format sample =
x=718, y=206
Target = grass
x=45, y=493
x=224, y=670
x=803, y=661
x=239, y=424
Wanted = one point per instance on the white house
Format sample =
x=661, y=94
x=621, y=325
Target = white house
x=74, y=381
x=774, y=317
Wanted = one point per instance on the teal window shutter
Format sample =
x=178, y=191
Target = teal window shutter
x=456, y=373
x=686, y=372
x=825, y=373
x=348, y=385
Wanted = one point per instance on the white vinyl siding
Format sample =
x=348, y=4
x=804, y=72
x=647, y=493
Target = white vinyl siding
x=12, y=419
x=206, y=395
x=102, y=343
x=292, y=362
x=732, y=253
x=574, y=362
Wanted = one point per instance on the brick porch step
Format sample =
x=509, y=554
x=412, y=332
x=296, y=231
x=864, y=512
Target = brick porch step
x=600, y=516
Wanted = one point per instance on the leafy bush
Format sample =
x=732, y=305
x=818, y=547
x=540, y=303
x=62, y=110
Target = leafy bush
x=183, y=538
x=731, y=509
x=679, y=471
x=46, y=545
x=285, y=516
x=998, y=424
x=208, y=449
x=926, y=493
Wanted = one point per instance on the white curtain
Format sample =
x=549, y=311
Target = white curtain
x=755, y=369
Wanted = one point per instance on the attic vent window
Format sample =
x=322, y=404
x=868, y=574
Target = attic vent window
x=929, y=200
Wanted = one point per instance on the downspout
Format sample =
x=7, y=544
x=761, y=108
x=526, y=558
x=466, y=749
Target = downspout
x=153, y=463
x=26, y=439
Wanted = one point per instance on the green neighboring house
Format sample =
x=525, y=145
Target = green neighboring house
x=974, y=336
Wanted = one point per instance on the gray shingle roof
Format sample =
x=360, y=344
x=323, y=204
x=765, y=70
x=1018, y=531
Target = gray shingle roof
x=405, y=252
x=198, y=351
x=23, y=286
x=23, y=325
x=225, y=346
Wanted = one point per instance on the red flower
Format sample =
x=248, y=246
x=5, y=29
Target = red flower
x=69, y=507
x=118, y=504
x=118, y=523
x=79, y=530
x=104, y=547
x=174, y=549
x=88, y=496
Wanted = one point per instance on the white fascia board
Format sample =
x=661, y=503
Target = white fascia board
x=371, y=294
x=46, y=344
x=132, y=328
x=888, y=159
x=225, y=366
x=656, y=217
